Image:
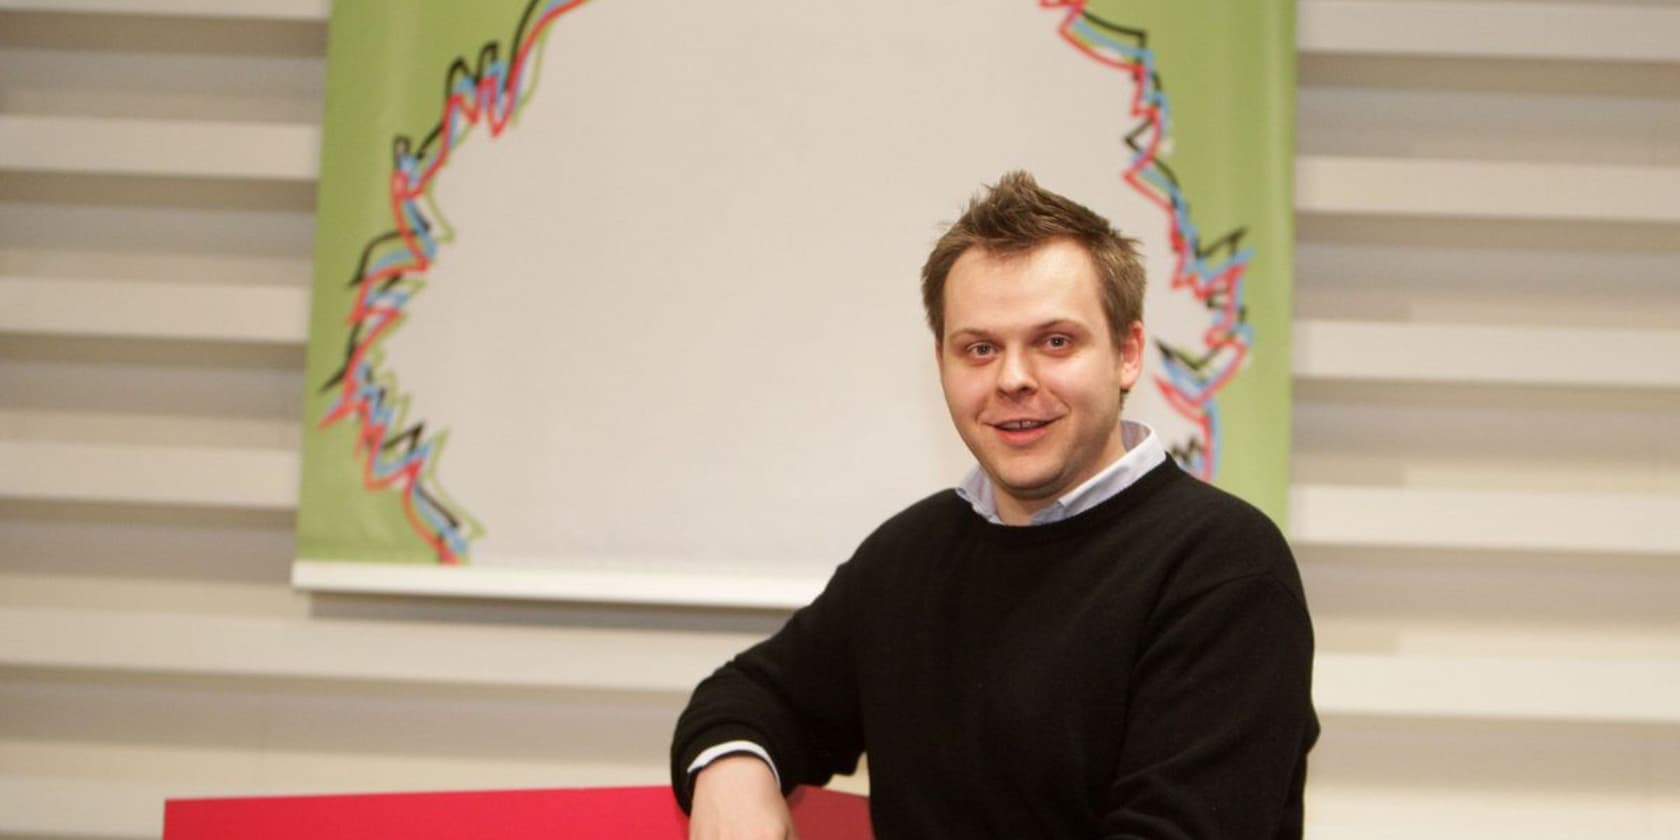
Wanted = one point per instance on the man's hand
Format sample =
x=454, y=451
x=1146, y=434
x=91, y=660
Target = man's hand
x=736, y=798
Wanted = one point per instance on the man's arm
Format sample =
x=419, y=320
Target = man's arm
x=1220, y=719
x=738, y=797
x=794, y=695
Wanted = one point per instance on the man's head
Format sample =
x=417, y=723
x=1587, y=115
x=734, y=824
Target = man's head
x=1035, y=305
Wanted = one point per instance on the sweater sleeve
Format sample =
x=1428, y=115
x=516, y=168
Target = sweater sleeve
x=1220, y=719
x=794, y=694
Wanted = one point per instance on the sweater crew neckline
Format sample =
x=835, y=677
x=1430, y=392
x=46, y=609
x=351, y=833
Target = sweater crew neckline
x=1078, y=524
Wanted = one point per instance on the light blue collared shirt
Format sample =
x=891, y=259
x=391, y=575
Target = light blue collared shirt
x=1144, y=452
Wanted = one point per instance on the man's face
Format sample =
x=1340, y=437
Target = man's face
x=1031, y=376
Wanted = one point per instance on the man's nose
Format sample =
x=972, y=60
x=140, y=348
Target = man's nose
x=1015, y=373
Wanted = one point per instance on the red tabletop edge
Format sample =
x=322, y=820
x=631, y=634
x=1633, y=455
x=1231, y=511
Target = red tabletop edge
x=622, y=813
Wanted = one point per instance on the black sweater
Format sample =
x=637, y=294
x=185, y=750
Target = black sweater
x=1140, y=670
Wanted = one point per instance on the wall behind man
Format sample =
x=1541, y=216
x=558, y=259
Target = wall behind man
x=1486, y=480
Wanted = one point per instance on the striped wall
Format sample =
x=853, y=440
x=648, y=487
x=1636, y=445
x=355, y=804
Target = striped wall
x=1486, y=484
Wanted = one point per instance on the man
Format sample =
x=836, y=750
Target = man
x=1079, y=641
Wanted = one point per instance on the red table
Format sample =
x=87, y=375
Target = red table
x=577, y=814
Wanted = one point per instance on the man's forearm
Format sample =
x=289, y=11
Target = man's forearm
x=738, y=796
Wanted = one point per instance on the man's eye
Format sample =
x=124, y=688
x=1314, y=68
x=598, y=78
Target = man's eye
x=981, y=349
x=1059, y=342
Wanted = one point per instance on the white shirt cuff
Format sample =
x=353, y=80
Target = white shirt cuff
x=711, y=754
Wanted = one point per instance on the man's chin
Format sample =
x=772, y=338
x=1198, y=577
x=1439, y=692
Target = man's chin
x=1028, y=489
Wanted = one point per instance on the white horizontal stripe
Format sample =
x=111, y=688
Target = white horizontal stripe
x=302, y=10
x=307, y=649
x=1429, y=518
x=1500, y=688
x=166, y=475
x=145, y=309
x=53, y=807
x=1486, y=189
x=159, y=147
x=1489, y=353
x=1550, y=31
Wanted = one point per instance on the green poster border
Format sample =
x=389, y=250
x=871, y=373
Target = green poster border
x=386, y=71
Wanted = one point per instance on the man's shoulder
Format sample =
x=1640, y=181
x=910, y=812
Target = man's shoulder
x=934, y=513
x=1220, y=512
x=1211, y=536
x=907, y=534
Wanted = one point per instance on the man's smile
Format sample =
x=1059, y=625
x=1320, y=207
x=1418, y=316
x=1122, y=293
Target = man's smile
x=1023, y=431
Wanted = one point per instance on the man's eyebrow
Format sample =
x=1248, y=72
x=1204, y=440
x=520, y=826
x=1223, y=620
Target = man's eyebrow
x=1052, y=324
x=1060, y=323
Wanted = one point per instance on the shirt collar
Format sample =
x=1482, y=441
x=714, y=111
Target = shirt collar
x=1144, y=452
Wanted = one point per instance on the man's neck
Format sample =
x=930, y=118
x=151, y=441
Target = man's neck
x=1013, y=511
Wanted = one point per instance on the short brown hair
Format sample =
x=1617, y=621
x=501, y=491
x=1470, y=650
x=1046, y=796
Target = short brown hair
x=1017, y=215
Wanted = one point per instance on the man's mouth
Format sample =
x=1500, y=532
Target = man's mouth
x=1022, y=432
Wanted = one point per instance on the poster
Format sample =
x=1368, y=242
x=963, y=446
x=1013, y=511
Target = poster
x=618, y=300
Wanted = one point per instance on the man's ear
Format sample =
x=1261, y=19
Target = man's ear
x=1131, y=356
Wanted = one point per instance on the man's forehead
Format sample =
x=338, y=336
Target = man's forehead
x=1045, y=284
x=1022, y=307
